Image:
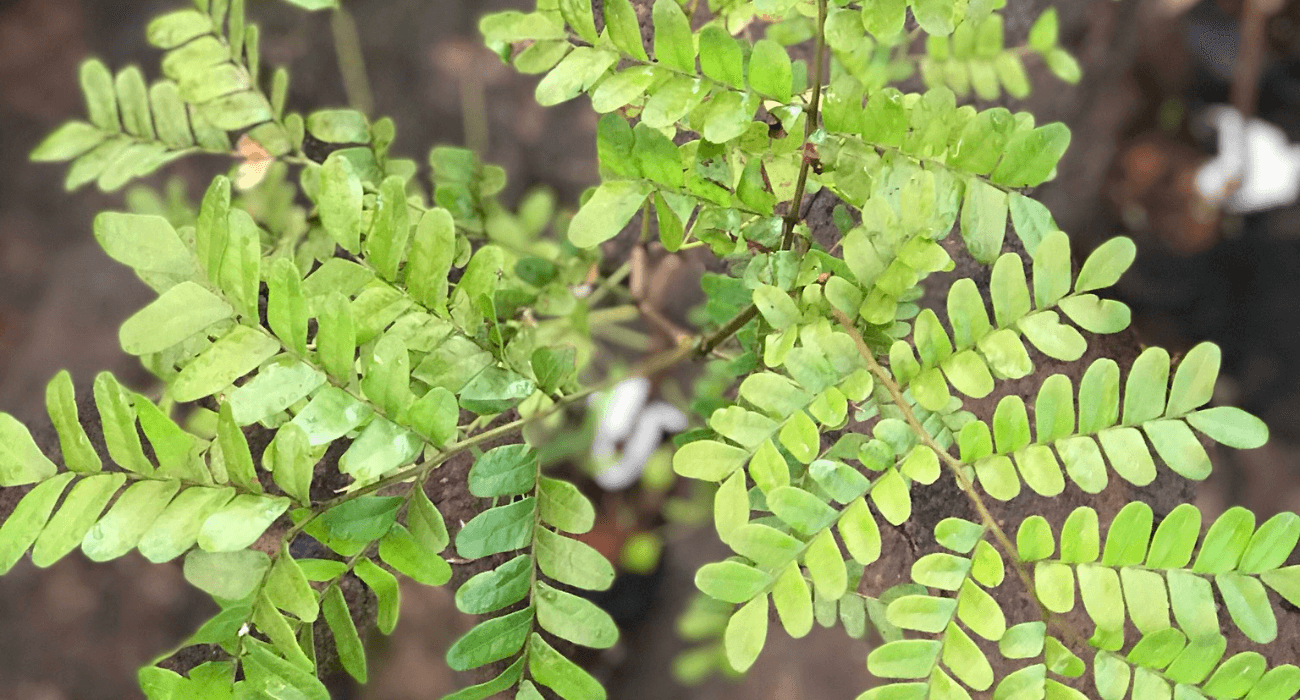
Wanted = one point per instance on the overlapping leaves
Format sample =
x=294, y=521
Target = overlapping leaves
x=737, y=165
x=209, y=89
x=1134, y=578
x=1155, y=415
x=535, y=527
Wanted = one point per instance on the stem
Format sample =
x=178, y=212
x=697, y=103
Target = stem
x=352, y=64
x=609, y=283
x=658, y=362
x=954, y=464
x=735, y=324
x=796, y=203
x=810, y=126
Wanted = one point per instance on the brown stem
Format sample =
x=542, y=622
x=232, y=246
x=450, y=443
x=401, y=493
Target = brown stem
x=814, y=107
x=954, y=465
x=796, y=203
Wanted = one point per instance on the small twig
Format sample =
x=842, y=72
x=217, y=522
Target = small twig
x=1250, y=54
x=352, y=63
x=796, y=203
x=810, y=126
x=609, y=283
x=722, y=334
x=954, y=465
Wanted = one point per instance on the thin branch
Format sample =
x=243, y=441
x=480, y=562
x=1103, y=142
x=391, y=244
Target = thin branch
x=954, y=465
x=419, y=472
x=796, y=203
x=810, y=126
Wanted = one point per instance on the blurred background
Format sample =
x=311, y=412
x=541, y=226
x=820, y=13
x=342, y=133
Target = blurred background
x=1212, y=265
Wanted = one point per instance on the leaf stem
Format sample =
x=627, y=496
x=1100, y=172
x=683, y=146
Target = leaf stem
x=954, y=465
x=794, y=216
x=609, y=283
x=420, y=471
x=810, y=126
x=720, y=336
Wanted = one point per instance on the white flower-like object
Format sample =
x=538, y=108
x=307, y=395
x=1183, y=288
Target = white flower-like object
x=1254, y=155
x=626, y=418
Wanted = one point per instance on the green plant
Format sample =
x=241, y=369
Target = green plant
x=332, y=359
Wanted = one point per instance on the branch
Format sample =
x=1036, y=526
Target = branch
x=955, y=466
x=796, y=203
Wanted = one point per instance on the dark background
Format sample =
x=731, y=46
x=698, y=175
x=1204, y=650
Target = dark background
x=78, y=631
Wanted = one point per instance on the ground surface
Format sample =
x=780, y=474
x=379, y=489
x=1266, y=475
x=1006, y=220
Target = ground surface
x=77, y=631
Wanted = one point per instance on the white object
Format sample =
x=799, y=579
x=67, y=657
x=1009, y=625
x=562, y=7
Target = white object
x=1255, y=154
x=625, y=417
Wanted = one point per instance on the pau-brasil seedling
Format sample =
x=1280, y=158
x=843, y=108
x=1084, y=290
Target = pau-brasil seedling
x=335, y=339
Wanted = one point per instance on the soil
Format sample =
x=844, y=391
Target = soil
x=78, y=631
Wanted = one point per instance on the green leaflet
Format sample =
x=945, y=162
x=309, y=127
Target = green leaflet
x=239, y=523
x=610, y=208
x=984, y=220
x=766, y=546
x=921, y=613
x=731, y=581
x=563, y=506
x=941, y=570
x=365, y=518
x=491, y=640
x=278, y=385
x=509, y=470
x=340, y=202
x=508, y=678
x=903, y=659
x=495, y=390
x=746, y=632
x=708, y=460
x=623, y=29
x=177, y=528
x=384, y=585
x=566, y=678
x=234, y=355
x=382, y=447
x=576, y=619
x=286, y=308
x=21, y=461
x=179, y=313
x=793, y=601
x=430, y=257
x=492, y=590
x=335, y=611
x=28, y=519
x=572, y=562
x=227, y=576
x=279, y=631
x=501, y=529
x=673, y=44
x=76, y=515
x=121, y=528
x=576, y=72
x=803, y=511
x=288, y=589
x=268, y=672
x=414, y=557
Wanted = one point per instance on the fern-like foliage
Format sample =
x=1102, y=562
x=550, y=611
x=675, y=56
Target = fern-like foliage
x=209, y=89
x=331, y=357
x=1137, y=578
x=341, y=334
